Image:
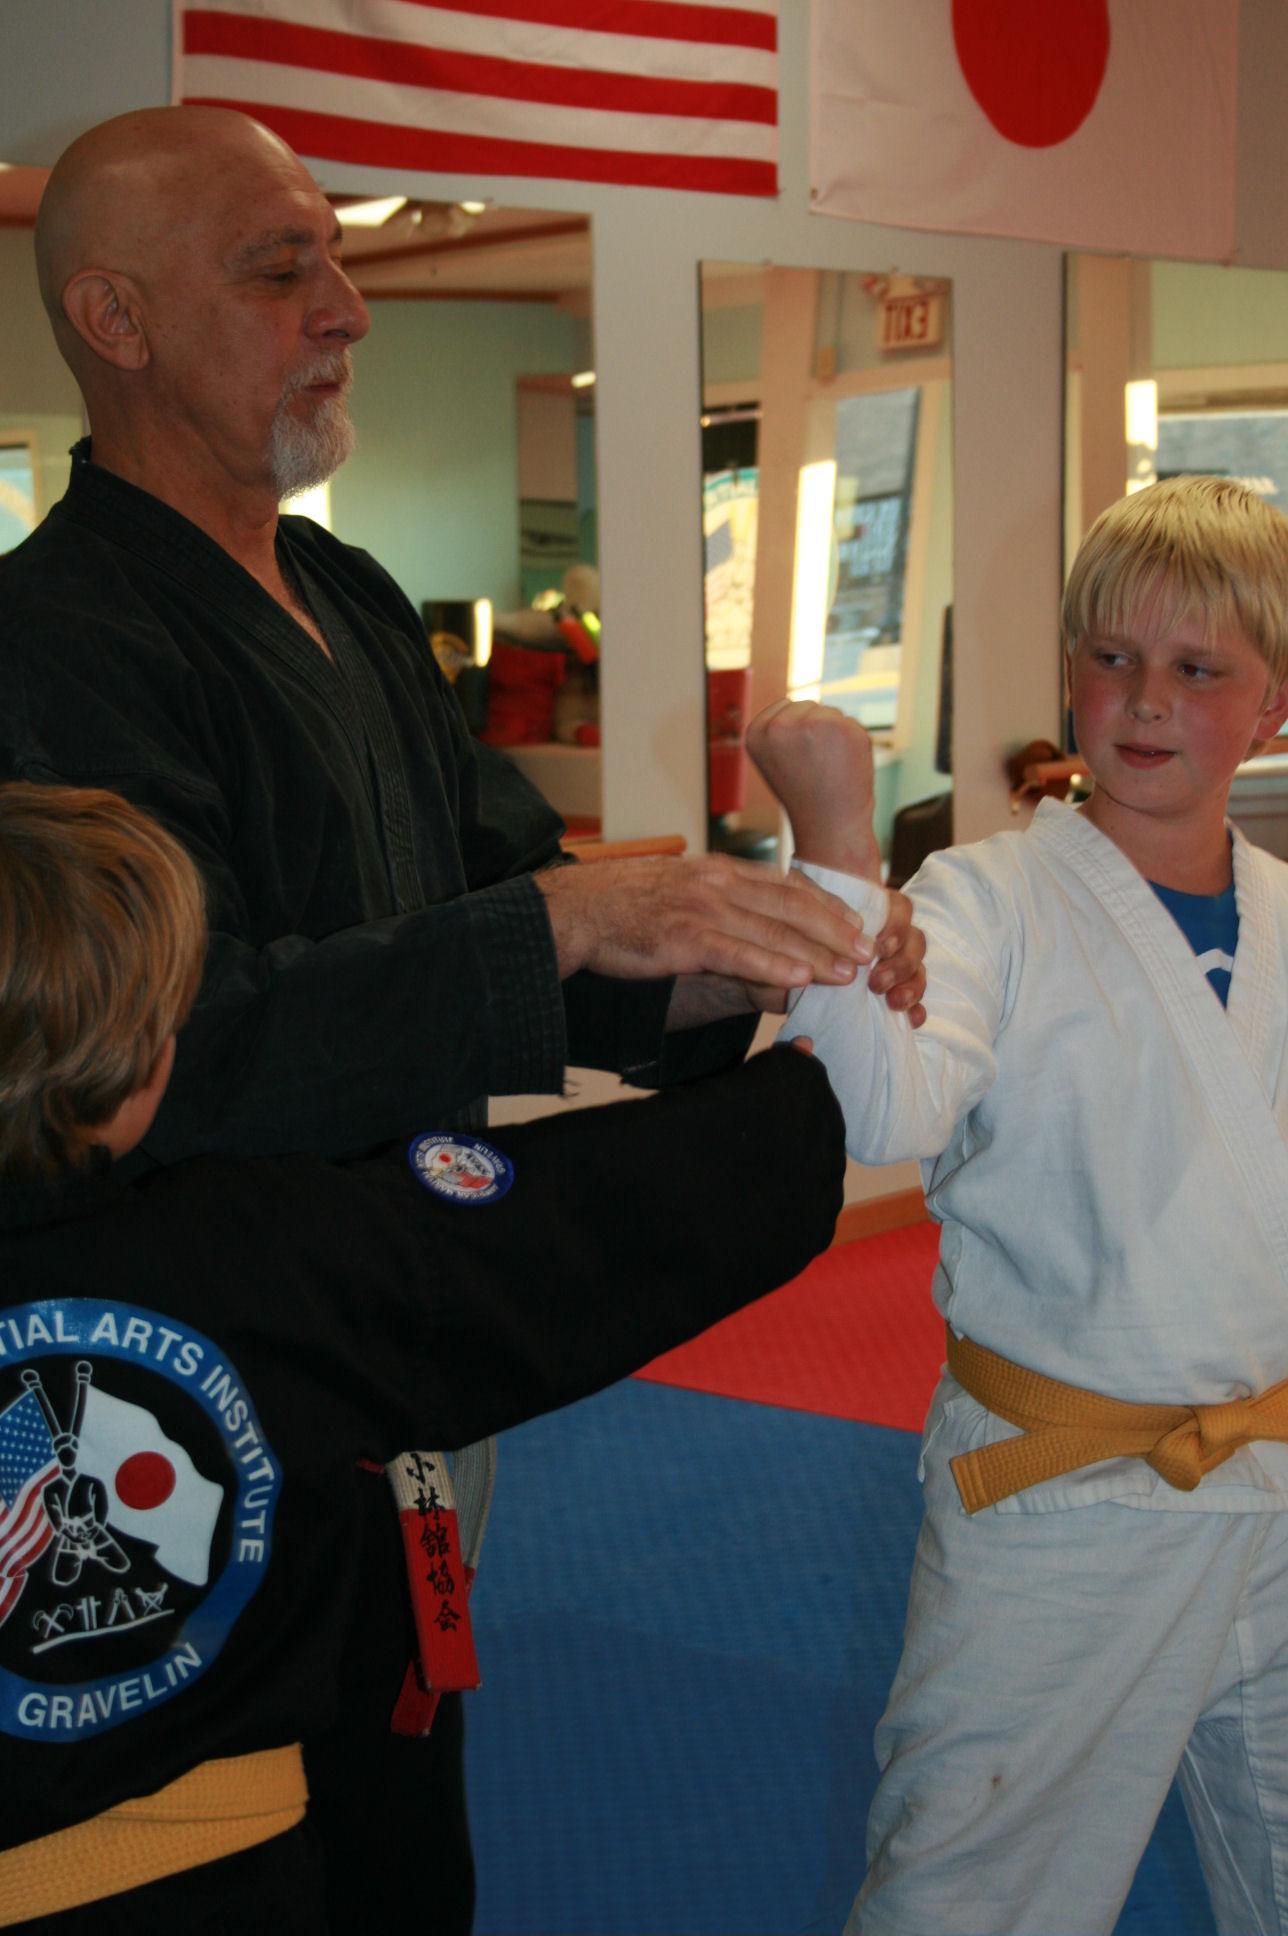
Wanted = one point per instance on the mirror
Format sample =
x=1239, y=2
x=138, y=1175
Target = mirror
x=19, y=486
x=1172, y=367
x=474, y=473
x=473, y=479
x=40, y=406
x=827, y=528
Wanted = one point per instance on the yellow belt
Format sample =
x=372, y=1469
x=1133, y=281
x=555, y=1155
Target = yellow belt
x=1066, y=1428
x=214, y=1810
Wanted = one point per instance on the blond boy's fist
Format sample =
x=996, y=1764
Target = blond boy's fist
x=819, y=763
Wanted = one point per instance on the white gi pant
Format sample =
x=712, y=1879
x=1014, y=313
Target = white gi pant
x=1058, y=1669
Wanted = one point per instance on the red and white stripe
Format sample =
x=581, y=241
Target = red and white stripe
x=25, y=1532
x=650, y=93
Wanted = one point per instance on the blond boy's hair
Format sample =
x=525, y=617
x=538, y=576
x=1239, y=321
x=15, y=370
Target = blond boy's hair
x=1189, y=547
x=102, y=940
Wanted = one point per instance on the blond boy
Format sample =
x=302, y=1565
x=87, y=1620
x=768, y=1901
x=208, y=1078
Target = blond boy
x=1100, y=1596
x=204, y=1376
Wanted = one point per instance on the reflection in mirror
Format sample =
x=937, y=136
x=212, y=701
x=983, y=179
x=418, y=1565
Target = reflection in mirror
x=1175, y=367
x=827, y=524
x=474, y=475
x=40, y=406
x=19, y=481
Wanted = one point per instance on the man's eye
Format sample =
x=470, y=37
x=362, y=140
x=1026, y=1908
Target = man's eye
x=280, y=275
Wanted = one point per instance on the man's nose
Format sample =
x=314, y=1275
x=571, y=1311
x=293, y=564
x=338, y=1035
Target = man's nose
x=341, y=313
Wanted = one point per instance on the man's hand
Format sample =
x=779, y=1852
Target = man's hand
x=819, y=763
x=708, y=916
x=898, y=974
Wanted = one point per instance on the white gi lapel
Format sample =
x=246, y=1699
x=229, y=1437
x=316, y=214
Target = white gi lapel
x=1258, y=1003
x=1234, y=1054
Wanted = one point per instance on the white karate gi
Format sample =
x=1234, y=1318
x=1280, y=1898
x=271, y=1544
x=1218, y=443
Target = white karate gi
x=1105, y=1148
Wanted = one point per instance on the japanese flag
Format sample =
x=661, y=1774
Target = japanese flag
x=1098, y=124
x=154, y=1491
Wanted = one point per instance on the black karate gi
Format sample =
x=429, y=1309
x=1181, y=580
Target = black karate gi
x=380, y=957
x=380, y=954
x=356, y=1314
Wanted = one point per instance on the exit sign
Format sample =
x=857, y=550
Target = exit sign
x=911, y=320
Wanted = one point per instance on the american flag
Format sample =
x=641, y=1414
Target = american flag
x=27, y=1463
x=651, y=93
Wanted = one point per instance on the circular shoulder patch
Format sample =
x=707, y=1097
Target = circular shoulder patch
x=462, y=1169
x=137, y=1492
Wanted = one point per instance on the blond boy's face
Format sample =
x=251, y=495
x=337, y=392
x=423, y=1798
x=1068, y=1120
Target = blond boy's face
x=1163, y=718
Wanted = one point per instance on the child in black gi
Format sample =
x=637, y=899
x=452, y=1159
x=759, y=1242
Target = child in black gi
x=199, y=1371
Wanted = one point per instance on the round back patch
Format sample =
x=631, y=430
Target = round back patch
x=460, y=1168
x=137, y=1494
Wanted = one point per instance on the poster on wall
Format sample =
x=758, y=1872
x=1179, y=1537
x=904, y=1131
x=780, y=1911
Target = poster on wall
x=1097, y=124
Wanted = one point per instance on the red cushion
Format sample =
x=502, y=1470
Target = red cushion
x=521, y=688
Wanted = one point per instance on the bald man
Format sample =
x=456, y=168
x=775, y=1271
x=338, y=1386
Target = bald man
x=391, y=941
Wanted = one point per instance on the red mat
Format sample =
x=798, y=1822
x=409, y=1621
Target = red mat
x=855, y=1336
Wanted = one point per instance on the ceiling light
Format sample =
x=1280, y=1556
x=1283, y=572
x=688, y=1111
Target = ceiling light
x=473, y=208
x=370, y=215
x=583, y=380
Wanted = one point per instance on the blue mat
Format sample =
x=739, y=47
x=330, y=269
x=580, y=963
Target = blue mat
x=688, y=1615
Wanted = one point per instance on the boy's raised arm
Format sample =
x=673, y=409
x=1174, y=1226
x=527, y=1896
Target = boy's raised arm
x=819, y=763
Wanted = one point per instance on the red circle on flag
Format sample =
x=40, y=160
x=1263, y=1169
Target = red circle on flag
x=1035, y=70
x=144, y=1480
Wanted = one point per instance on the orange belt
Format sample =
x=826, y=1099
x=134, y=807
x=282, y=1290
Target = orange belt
x=1065, y=1428
x=214, y=1810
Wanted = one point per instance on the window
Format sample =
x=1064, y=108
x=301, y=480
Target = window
x=876, y=447
x=1248, y=442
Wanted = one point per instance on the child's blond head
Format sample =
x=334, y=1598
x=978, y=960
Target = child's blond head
x=102, y=940
x=1189, y=547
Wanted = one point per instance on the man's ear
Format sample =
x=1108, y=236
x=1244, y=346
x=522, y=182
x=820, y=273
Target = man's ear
x=104, y=308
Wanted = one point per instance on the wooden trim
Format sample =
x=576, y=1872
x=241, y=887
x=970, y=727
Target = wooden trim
x=354, y=272
x=478, y=239
x=894, y=1212
x=590, y=847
